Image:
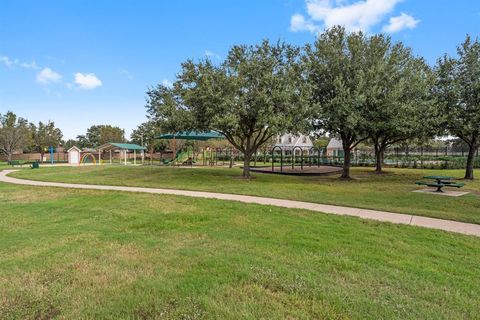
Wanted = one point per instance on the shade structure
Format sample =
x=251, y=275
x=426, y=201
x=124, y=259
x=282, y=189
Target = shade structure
x=192, y=135
x=120, y=146
x=124, y=148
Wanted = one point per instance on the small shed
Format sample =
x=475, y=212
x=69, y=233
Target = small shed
x=74, y=156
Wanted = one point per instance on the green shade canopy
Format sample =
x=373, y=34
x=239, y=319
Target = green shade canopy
x=122, y=146
x=192, y=135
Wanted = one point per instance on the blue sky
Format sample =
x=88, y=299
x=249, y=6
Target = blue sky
x=80, y=63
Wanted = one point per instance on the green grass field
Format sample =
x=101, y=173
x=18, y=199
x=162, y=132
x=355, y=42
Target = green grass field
x=74, y=254
x=389, y=192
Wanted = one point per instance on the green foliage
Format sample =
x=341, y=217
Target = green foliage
x=398, y=106
x=145, y=135
x=458, y=95
x=101, y=134
x=255, y=94
x=321, y=142
x=45, y=135
x=14, y=134
x=336, y=67
x=366, y=87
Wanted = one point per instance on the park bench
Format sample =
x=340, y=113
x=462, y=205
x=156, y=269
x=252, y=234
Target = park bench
x=441, y=184
x=14, y=163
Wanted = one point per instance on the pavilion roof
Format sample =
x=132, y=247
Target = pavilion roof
x=120, y=146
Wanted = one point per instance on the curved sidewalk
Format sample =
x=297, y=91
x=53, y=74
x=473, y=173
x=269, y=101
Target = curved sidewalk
x=440, y=224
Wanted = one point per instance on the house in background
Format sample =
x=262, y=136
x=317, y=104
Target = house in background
x=291, y=141
x=335, y=148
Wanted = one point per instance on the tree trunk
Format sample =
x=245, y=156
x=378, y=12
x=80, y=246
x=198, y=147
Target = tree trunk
x=246, y=165
x=379, y=157
x=346, y=163
x=41, y=156
x=9, y=157
x=151, y=156
x=470, y=160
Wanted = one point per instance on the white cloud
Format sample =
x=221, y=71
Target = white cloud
x=401, y=22
x=48, y=76
x=126, y=73
x=29, y=65
x=6, y=61
x=209, y=53
x=87, y=81
x=354, y=16
x=298, y=23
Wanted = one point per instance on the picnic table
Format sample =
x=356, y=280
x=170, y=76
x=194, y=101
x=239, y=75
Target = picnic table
x=440, y=182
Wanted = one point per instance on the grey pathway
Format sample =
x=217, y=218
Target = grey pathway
x=446, y=225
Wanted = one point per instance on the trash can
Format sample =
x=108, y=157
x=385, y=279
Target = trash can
x=36, y=165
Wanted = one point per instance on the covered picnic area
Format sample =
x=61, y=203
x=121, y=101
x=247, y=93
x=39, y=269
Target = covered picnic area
x=124, y=149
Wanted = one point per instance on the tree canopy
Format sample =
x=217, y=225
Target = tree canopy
x=45, y=135
x=145, y=135
x=255, y=94
x=14, y=134
x=101, y=134
x=336, y=72
x=398, y=106
x=457, y=93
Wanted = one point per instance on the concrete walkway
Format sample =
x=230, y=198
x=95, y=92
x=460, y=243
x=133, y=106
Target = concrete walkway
x=440, y=224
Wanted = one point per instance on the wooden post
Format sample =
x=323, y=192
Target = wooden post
x=134, y=156
x=174, y=151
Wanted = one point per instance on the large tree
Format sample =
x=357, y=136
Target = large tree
x=458, y=95
x=145, y=135
x=397, y=94
x=14, y=134
x=255, y=94
x=336, y=72
x=45, y=135
x=101, y=134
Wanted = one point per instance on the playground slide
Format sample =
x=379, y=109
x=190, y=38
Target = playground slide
x=179, y=159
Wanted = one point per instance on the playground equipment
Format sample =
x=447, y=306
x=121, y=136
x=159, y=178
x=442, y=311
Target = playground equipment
x=51, y=150
x=296, y=160
x=195, y=136
x=87, y=155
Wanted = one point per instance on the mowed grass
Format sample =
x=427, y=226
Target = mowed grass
x=390, y=192
x=79, y=254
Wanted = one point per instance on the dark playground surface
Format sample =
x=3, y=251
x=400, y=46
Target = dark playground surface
x=297, y=171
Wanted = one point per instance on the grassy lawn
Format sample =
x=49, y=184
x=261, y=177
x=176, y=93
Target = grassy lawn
x=87, y=254
x=390, y=192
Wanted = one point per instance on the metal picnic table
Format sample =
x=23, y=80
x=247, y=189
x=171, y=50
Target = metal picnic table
x=440, y=182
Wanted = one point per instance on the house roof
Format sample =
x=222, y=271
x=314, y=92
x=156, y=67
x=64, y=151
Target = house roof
x=291, y=140
x=74, y=148
x=335, y=144
x=124, y=146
